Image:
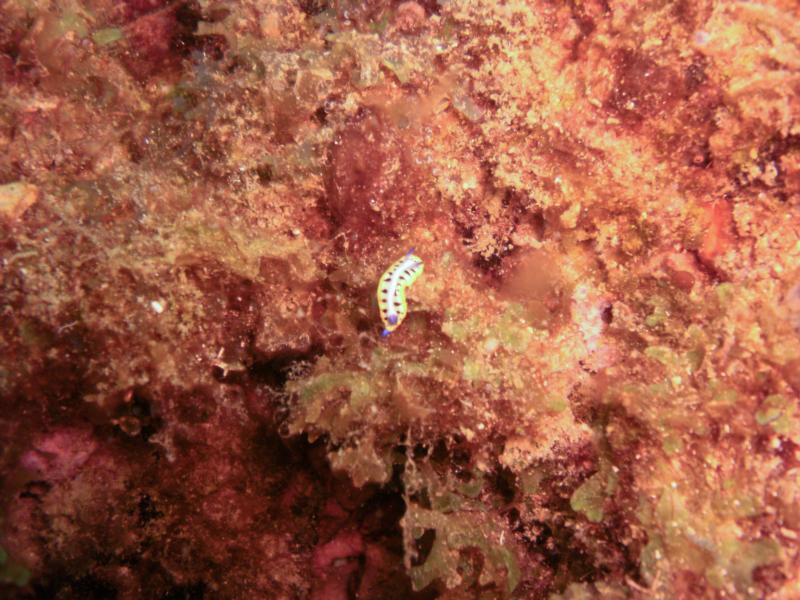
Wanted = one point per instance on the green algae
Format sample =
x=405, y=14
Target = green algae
x=460, y=330
x=737, y=561
x=672, y=443
x=659, y=314
x=726, y=294
x=589, y=498
x=512, y=330
x=459, y=520
x=75, y=21
x=332, y=402
x=705, y=540
x=454, y=533
x=663, y=354
x=362, y=463
x=105, y=37
x=476, y=371
x=12, y=572
x=400, y=67
x=780, y=414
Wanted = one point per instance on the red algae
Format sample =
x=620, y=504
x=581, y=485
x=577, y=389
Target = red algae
x=377, y=187
x=595, y=393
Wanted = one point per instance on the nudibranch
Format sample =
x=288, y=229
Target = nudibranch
x=392, y=290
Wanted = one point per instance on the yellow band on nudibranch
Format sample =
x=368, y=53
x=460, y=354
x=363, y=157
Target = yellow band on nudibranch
x=392, y=290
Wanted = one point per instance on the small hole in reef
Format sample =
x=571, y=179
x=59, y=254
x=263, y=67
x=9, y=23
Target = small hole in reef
x=607, y=314
x=423, y=547
x=265, y=174
x=321, y=115
x=420, y=451
x=313, y=7
x=274, y=371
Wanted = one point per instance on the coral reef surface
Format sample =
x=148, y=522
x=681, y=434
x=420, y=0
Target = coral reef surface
x=595, y=392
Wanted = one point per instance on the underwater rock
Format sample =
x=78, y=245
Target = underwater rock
x=594, y=390
x=16, y=198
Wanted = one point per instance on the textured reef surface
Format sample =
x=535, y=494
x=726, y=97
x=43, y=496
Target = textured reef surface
x=595, y=392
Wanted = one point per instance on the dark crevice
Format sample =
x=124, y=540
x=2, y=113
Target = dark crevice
x=423, y=546
x=190, y=591
x=275, y=370
x=187, y=17
x=313, y=7
x=708, y=268
x=147, y=510
x=85, y=586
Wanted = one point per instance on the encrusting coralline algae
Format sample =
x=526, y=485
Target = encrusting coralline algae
x=594, y=390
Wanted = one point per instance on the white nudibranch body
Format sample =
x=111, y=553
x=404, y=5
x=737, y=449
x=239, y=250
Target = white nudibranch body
x=392, y=290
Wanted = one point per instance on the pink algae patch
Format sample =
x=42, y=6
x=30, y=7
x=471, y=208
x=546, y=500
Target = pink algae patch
x=61, y=454
x=344, y=545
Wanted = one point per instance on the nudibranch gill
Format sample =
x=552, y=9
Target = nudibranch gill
x=392, y=290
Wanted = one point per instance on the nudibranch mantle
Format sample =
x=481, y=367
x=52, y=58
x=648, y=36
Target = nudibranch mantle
x=392, y=290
